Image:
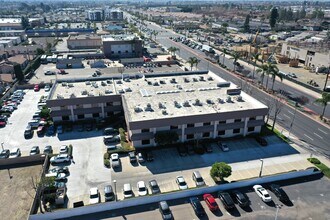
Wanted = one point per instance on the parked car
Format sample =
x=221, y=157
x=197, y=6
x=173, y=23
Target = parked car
x=279, y=193
x=61, y=177
x=150, y=156
x=48, y=149
x=140, y=157
x=142, y=189
x=262, y=141
x=64, y=149
x=210, y=202
x=240, y=198
x=182, y=150
x=198, y=179
x=16, y=152
x=50, y=131
x=28, y=133
x=49, y=72
x=115, y=162
x=64, y=170
x=111, y=139
x=165, y=211
x=108, y=193
x=154, y=187
x=88, y=127
x=181, y=183
x=262, y=193
x=127, y=191
x=47, y=88
x=226, y=200
x=110, y=131
x=41, y=130
x=94, y=197
x=59, y=129
x=223, y=146
x=35, y=150
x=4, y=154
x=132, y=157
x=197, y=206
x=34, y=123
x=61, y=158
x=292, y=75
x=36, y=88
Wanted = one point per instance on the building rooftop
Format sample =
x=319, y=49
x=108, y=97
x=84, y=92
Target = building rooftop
x=156, y=97
x=118, y=37
x=10, y=20
x=84, y=37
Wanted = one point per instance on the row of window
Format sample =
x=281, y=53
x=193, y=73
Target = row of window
x=205, y=135
x=82, y=116
x=92, y=105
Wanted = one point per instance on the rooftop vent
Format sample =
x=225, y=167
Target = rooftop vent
x=138, y=109
x=90, y=94
x=162, y=82
x=109, y=82
x=195, y=79
x=239, y=98
x=72, y=95
x=127, y=80
x=107, y=91
x=201, y=78
x=155, y=84
x=149, y=83
x=186, y=104
x=84, y=92
x=220, y=100
x=179, y=86
x=87, y=82
x=228, y=99
x=186, y=80
x=148, y=108
x=103, y=83
x=164, y=112
x=59, y=96
x=198, y=102
x=176, y=104
x=95, y=85
x=121, y=91
x=64, y=84
x=173, y=80
x=119, y=82
x=210, y=78
x=128, y=89
x=209, y=101
x=70, y=85
x=161, y=105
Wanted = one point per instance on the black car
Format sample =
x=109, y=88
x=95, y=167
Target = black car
x=154, y=187
x=48, y=149
x=28, y=133
x=197, y=206
x=150, y=156
x=4, y=154
x=182, y=150
x=110, y=131
x=262, y=141
x=165, y=211
x=226, y=200
x=35, y=150
x=279, y=193
x=132, y=157
x=240, y=198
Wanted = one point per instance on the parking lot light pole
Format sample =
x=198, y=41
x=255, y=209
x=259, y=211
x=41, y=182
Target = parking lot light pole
x=114, y=182
x=278, y=206
x=2, y=145
x=262, y=164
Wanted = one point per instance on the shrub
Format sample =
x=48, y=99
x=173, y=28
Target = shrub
x=314, y=160
x=220, y=170
x=70, y=150
x=106, y=156
x=122, y=134
x=106, y=162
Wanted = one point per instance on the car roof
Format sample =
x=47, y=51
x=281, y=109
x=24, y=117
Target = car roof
x=108, y=189
x=14, y=149
x=93, y=190
x=127, y=186
x=153, y=182
x=140, y=183
x=163, y=205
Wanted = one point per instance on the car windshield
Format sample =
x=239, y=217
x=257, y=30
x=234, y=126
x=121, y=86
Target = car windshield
x=94, y=196
x=183, y=183
x=13, y=153
x=142, y=189
x=200, y=179
x=266, y=195
x=166, y=211
x=109, y=194
x=114, y=159
x=129, y=192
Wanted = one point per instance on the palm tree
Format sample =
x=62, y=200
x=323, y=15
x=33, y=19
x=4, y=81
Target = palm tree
x=255, y=57
x=263, y=70
x=224, y=52
x=323, y=101
x=173, y=50
x=235, y=57
x=197, y=62
x=192, y=61
x=275, y=72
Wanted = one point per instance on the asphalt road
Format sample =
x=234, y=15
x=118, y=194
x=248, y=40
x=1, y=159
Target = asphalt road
x=315, y=134
x=309, y=200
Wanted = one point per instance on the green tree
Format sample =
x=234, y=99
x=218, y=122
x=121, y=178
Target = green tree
x=263, y=70
x=273, y=17
x=236, y=55
x=255, y=58
x=289, y=15
x=275, y=73
x=323, y=101
x=192, y=61
x=247, y=23
x=173, y=50
x=24, y=22
x=18, y=72
x=40, y=51
x=166, y=137
x=45, y=112
x=220, y=170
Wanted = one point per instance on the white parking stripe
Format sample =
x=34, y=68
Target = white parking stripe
x=287, y=116
x=290, y=112
x=309, y=137
x=318, y=135
x=322, y=131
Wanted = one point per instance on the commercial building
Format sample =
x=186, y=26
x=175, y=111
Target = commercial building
x=308, y=56
x=122, y=46
x=13, y=33
x=10, y=24
x=95, y=15
x=84, y=42
x=194, y=105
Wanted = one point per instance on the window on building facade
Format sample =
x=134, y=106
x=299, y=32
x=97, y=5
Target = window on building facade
x=250, y=129
x=238, y=120
x=96, y=115
x=237, y=130
x=145, y=142
x=112, y=52
x=145, y=130
x=206, y=134
x=190, y=136
x=223, y=132
x=119, y=52
x=65, y=118
x=252, y=118
x=109, y=104
x=190, y=125
x=206, y=123
x=174, y=127
x=110, y=114
x=222, y=122
x=81, y=116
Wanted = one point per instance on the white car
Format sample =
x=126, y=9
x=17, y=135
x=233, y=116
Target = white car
x=181, y=183
x=16, y=152
x=47, y=88
x=94, y=197
x=64, y=149
x=115, y=162
x=127, y=191
x=262, y=193
x=223, y=147
x=61, y=158
x=142, y=189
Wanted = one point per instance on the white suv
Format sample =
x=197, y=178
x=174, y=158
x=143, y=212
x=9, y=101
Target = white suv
x=61, y=158
x=262, y=193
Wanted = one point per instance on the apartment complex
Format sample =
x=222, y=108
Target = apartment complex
x=114, y=15
x=195, y=106
x=117, y=46
x=95, y=15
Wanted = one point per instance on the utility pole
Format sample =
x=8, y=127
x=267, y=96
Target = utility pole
x=262, y=164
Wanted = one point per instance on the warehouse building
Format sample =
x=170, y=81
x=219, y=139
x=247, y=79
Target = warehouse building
x=195, y=106
x=122, y=46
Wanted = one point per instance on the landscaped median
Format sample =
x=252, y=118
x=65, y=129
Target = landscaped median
x=324, y=168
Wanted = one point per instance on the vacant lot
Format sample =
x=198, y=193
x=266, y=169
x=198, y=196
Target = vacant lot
x=17, y=192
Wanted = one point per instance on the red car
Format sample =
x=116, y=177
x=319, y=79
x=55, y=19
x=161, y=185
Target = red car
x=210, y=202
x=36, y=88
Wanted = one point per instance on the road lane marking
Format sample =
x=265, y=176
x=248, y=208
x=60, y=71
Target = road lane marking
x=286, y=116
x=318, y=135
x=308, y=137
x=290, y=112
x=322, y=131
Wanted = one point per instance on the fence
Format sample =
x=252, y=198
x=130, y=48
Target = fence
x=170, y=196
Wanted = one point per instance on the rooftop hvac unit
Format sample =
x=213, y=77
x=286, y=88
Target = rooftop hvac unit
x=64, y=84
x=103, y=83
x=173, y=80
x=95, y=85
x=128, y=89
x=162, y=81
x=189, y=90
x=220, y=100
x=119, y=82
x=70, y=85
x=198, y=102
x=84, y=92
x=155, y=84
x=121, y=91
x=109, y=82
x=186, y=104
x=161, y=105
x=138, y=109
x=233, y=91
x=149, y=83
x=186, y=80
x=90, y=94
x=59, y=96
x=228, y=99
x=201, y=78
x=223, y=84
x=107, y=91
x=176, y=104
x=195, y=79
x=148, y=108
x=164, y=112
x=239, y=98
x=210, y=78
x=127, y=79
x=72, y=95
x=209, y=101
x=179, y=86
x=87, y=82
